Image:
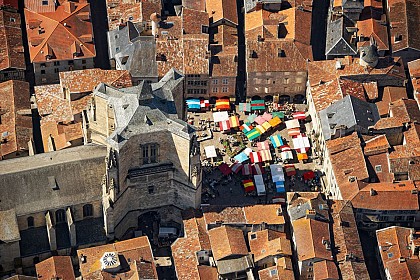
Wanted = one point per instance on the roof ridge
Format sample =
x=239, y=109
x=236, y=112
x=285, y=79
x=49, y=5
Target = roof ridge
x=81, y=6
x=77, y=40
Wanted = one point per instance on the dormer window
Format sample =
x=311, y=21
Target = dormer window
x=44, y=2
x=398, y=38
x=281, y=53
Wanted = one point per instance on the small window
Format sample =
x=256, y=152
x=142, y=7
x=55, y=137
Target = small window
x=36, y=260
x=253, y=236
x=43, y=65
x=130, y=18
x=378, y=168
x=225, y=81
x=390, y=255
x=151, y=189
x=56, y=70
x=12, y=19
x=214, y=90
x=398, y=38
x=60, y=216
x=215, y=81
x=204, y=29
x=273, y=272
x=87, y=210
x=281, y=53
x=56, y=63
x=42, y=72
x=83, y=61
x=30, y=222
x=150, y=153
x=117, y=49
x=70, y=62
x=116, y=36
x=44, y=2
x=224, y=89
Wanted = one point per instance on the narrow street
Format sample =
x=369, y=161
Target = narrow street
x=100, y=28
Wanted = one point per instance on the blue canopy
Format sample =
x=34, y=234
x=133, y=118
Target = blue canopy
x=280, y=187
x=193, y=104
x=276, y=140
x=241, y=157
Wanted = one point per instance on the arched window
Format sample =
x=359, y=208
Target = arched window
x=30, y=221
x=87, y=210
x=60, y=216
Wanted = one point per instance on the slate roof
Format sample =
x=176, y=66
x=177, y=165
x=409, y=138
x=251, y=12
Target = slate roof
x=16, y=117
x=338, y=40
x=349, y=113
x=300, y=202
x=60, y=33
x=27, y=245
x=11, y=51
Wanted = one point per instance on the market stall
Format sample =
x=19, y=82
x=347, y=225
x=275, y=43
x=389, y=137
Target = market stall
x=259, y=120
x=225, y=169
x=260, y=129
x=274, y=122
x=193, y=104
x=244, y=107
x=290, y=170
x=248, y=185
x=263, y=145
x=247, y=169
x=266, y=126
x=236, y=167
x=255, y=157
x=257, y=105
x=276, y=140
x=301, y=143
x=234, y=121
x=257, y=169
x=220, y=116
x=253, y=134
x=266, y=116
x=224, y=125
x=222, y=104
x=277, y=176
x=259, y=184
x=246, y=127
x=265, y=155
x=299, y=115
x=241, y=157
x=210, y=152
x=286, y=153
x=204, y=104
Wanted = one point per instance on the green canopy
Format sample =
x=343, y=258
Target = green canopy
x=253, y=134
x=278, y=114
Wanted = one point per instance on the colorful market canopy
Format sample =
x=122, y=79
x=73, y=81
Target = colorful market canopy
x=193, y=104
x=265, y=155
x=253, y=134
x=301, y=143
x=225, y=168
x=248, y=185
x=266, y=116
x=259, y=184
x=251, y=118
x=234, y=121
x=257, y=169
x=248, y=151
x=222, y=104
x=255, y=157
x=241, y=157
x=299, y=115
x=236, y=167
x=259, y=120
x=257, y=105
x=246, y=127
x=224, y=125
x=220, y=116
x=277, y=173
x=280, y=187
x=309, y=175
x=244, y=107
x=293, y=132
x=286, y=152
x=247, y=169
x=292, y=124
x=204, y=104
x=276, y=140
x=290, y=170
x=266, y=125
x=260, y=129
x=280, y=115
x=210, y=151
x=274, y=121
x=263, y=145
x=302, y=156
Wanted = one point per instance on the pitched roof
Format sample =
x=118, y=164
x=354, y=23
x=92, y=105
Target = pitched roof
x=387, y=196
x=338, y=41
x=9, y=232
x=227, y=241
x=184, y=249
x=16, y=117
x=222, y=9
x=377, y=144
x=298, y=203
x=138, y=250
x=373, y=28
x=414, y=68
x=390, y=94
x=310, y=236
x=346, y=239
x=282, y=271
x=268, y=213
x=9, y=3
x=55, y=267
x=60, y=34
x=325, y=269
x=229, y=215
x=266, y=243
x=11, y=51
x=404, y=16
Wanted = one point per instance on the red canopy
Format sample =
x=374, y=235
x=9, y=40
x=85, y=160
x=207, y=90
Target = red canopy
x=299, y=115
x=308, y=175
x=290, y=169
x=225, y=169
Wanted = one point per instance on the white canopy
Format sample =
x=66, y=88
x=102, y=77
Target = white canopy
x=210, y=151
x=259, y=184
x=220, y=116
x=247, y=151
x=277, y=172
x=292, y=124
x=301, y=143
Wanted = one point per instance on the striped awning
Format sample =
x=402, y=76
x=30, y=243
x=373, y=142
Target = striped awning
x=302, y=156
x=257, y=169
x=244, y=107
x=241, y=157
x=236, y=167
x=224, y=125
x=257, y=105
x=193, y=104
x=276, y=140
x=293, y=131
x=278, y=114
x=247, y=169
x=265, y=155
x=222, y=104
x=255, y=157
x=260, y=129
x=263, y=145
x=253, y=134
x=259, y=120
x=266, y=125
x=292, y=124
x=248, y=185
x=246, y=127
x=266, y=116
x=299, y=115
x=234, y=121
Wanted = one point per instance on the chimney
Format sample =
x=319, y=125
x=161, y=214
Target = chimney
x=373, y=192
x=310, y=214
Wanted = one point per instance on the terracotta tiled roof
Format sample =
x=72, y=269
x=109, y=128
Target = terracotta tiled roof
x=121, y=11
x=387, y=196
x=199, y=5
x=16, y=117
x=224, y=214
x=310, y=235
x=207, y=273
x=282, y=271
x=268, y=213
x=386, y=123
x=223, y=64
x=9, y=3
x=373, y=3
x=81, y=81
x=346, y=239
x=266, y=243
x=390, y=95
x=196, y=58
x=55, y=267
x=184, y=249
x=404, y=17
x=226, y=241
x=394, y=244
x=414, y=68
x=192, y=21
x=371, y=89
x=373, y=28
x=378, y=144
x=11, y=51
x=61, y=33
x=222, y=9
x=325, y=270
x=347, y=160
x=137, y=250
